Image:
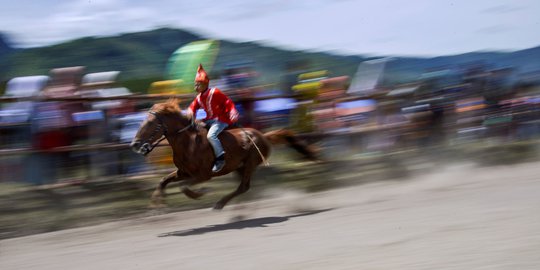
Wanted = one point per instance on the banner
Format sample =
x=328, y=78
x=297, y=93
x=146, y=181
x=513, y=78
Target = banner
x=367, y=77
x=183, y=63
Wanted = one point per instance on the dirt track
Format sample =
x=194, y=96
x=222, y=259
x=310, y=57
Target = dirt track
x=459, y=218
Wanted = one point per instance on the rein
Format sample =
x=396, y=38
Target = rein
x=161, y=124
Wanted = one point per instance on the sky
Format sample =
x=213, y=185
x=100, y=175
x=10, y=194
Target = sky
x=383, y=27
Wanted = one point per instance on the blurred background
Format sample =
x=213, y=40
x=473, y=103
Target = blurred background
x=384, y=94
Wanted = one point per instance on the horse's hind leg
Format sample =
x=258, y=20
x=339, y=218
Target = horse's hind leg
x=245, y=176
x=159, y=193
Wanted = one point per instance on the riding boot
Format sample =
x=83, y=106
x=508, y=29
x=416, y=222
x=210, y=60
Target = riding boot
x=219, y=163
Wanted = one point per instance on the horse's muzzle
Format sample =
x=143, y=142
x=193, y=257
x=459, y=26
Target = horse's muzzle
x=139, y=148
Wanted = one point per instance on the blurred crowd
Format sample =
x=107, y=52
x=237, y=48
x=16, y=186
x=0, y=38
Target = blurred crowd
x=46, y=135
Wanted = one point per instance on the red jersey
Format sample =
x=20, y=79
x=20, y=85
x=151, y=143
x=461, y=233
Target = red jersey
x=216, y=105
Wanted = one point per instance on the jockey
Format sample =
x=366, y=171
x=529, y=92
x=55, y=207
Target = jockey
x=220, y=113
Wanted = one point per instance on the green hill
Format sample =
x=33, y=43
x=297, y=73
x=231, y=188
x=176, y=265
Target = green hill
x=142, y=58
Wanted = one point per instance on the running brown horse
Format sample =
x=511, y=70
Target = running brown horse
x=245, y=149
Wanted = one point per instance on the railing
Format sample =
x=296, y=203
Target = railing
x=185, y=99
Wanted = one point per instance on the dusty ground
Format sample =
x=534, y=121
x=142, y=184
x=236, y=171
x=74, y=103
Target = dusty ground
x=462, y=217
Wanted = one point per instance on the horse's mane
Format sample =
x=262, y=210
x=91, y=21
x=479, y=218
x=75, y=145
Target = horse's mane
x=169, y=107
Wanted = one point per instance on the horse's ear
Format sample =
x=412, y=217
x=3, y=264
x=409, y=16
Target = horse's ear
x=174, y=100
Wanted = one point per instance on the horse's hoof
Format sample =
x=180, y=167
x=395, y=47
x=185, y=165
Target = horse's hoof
x=157, y=202
x=157, y=195
x=154, y=205
x=218, y=206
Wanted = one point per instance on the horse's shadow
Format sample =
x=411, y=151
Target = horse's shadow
x=242, y=224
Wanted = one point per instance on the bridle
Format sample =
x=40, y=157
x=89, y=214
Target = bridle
x=159, y=126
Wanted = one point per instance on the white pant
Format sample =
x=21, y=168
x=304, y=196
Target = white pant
x=216, y=127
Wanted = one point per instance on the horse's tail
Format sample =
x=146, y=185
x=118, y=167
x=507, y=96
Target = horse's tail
x=284, y=136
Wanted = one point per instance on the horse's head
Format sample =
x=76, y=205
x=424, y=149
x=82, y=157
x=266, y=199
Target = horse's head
x=163, y=119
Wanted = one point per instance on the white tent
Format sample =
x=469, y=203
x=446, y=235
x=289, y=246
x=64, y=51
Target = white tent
x=100, y=77
x=28, y=86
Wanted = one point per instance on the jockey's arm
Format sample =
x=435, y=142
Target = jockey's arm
x=192, y=110
x=230, y=108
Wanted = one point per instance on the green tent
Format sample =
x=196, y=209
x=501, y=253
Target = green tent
x=184, y=61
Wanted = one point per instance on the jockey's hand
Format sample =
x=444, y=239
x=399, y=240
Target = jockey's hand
x=189, y=114
x=200, y=123
x=233, y=116
x=193, y=124
x=196, y=124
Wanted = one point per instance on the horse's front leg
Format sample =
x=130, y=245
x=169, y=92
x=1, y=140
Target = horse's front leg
x=159, y=194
